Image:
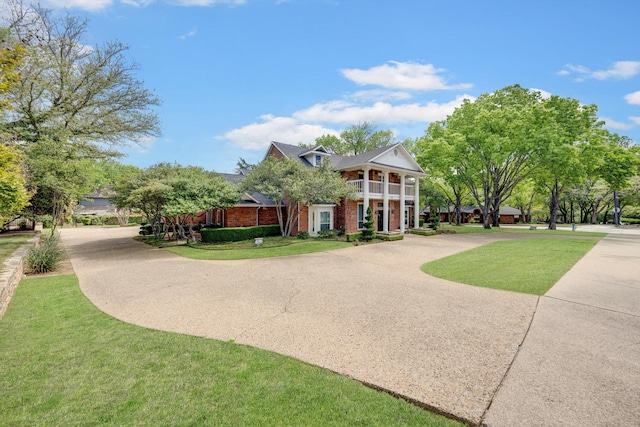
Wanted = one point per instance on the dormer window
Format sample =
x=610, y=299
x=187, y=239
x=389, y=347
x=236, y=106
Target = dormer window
x=318, y=160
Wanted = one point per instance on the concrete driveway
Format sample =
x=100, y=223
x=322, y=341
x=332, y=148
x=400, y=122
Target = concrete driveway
x=366, y=312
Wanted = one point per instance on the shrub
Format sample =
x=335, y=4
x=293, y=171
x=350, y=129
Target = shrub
x=236, y=234
x=354, y=237
x=46, y=257
x=326, y=234
x=423, y=232
x=391, y=237
x=435, y=222
x=146, y=230
x=421, y=223
x=368, y=232
x=303, y=235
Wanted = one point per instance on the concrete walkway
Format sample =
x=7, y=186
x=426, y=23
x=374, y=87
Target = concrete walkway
x=580, y=362
x=369, y=313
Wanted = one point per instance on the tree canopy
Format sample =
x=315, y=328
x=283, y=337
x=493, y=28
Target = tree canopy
x=357, y=139
x=288, y=182
x=173, y=195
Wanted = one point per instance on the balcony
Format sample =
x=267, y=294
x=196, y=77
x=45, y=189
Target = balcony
x=376, y=190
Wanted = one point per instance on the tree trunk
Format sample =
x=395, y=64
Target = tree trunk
x=458, y=209
x=554, y=206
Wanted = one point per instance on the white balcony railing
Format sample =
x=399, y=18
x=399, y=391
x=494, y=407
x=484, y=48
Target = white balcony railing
x=376, y=189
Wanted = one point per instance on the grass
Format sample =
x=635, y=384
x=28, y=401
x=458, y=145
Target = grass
x=66, y=363
x=522, y=229
x=272, y=247
x=10, y=242
x=530, y=266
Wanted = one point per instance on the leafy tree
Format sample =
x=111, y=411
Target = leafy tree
x=290, y=184
x=77, y=99
x=357, y=139
x=59, y=174
x=573, y=134
x=13, y=193
x=491, y=144
x=173, y=195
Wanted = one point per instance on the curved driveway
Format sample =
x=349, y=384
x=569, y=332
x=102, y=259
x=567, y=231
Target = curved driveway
x=366, y=312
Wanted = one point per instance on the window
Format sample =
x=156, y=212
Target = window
x=325, y=220
x=360, y=216
x=318, y=160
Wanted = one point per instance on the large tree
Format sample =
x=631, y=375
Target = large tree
x=491, y=144
x=357, y=139
x=573, y=134
x=291, y=184
x=84, y=100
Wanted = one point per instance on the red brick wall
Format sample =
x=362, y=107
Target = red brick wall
x=240, y=217
x=268, y=216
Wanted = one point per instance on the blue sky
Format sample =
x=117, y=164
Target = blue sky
x=234, y=75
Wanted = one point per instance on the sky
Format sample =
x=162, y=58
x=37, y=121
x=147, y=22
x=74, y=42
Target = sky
x=234, y=75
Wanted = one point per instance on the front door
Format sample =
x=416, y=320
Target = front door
x=380, y=215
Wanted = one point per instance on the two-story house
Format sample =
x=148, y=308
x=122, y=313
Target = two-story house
x=386, y=179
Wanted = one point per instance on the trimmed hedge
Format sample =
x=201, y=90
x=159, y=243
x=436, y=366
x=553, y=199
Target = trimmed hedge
x=236, y=234
x=423, y=232
x=390, y=237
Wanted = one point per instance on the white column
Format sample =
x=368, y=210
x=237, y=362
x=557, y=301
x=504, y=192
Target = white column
x=385, y=204
x=402, y=202
x=365, y=190
x=416, y=204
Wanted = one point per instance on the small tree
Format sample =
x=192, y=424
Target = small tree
x=369, y=231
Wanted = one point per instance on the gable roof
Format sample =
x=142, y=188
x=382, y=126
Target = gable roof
x=373, y=157
x=253, y=199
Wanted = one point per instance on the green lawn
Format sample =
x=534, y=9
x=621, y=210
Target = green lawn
x=273, y=247
x=10, y=242
x=521, y=229
x=63, y=362
x=530, y=266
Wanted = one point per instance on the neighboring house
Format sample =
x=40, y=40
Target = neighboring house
x=508, y=215
x=253, y=209
x=386, y=179
x=95, y=203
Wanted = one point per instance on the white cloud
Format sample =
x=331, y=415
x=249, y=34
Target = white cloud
x=402, y=75
x=379, y=112
x=633, y=98
x=143, y=145
x=191, y=33
x=80, y=4
x=258, y=136
x=620, y=70
x=379, y=95
x=137, y=3
x=610, y=123
x=635, y=119
x=208, y=2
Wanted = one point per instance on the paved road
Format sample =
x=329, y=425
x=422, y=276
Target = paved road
x=367, y=312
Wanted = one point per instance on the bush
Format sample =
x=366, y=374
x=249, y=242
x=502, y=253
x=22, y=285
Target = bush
x=369, y=231
x=391, y=237
x=423, y=232
x=326, y=234
x=146, y=230
x=303, y=235
x=630, y=220
x=236, y=234
x=46, y=257
x=435, y=222
x=354, y=237
x=421, y=223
